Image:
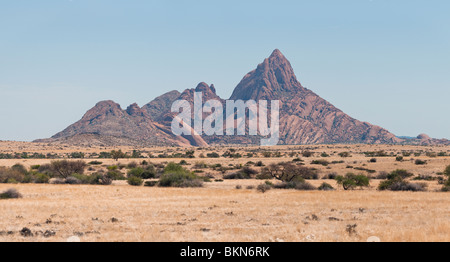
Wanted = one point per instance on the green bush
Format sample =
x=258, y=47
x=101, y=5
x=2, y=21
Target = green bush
x=84, y=179
x=174, y=168
x=135, y=181
x=114, y=167
x=99, y=179
x=180, y=179
x=420, y=162
x=136, y=171
x=350, y=181
x=132, y=165
x=41, y=178
x=325, y=187
x=320, y=162
x=399, y=174
x=150, y=183
x=10, y=194
x=19, y=168
x=95, y=163
x=65, y=168
x=116, y=175
x=263, y=188
x=11, y=176
x=35, y=167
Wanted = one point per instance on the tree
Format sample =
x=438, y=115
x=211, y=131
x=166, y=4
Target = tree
x=288, y=172
x=350, y=181
x=117, y=154
x=65, y=168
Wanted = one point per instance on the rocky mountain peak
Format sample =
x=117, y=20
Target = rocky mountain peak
x=205, y=88
x=135, y=110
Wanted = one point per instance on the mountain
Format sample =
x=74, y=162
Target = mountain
x=161, y=105
x=305, y=117
x=107, y=124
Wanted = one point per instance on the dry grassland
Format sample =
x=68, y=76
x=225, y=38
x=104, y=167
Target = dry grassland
x=220, y=212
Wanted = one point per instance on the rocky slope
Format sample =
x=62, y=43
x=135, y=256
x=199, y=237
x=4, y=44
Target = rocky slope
x=305, y=118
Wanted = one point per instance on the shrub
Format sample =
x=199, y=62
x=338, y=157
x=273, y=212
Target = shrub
x=263, y=188
x=298, y=185
x=263, y=176
x=41, y=178
x=399, y=159
x=73, y=181
x=132, y=165
x=382, y=175
x=238, y=187
x=259, y=163
x=20, y=169
x=149, y=172
x=95, y=163
x=116, y=175
x=180, y=180
x=420, y=162
x=325, y=187
x=150, y=183
x=399, y=173
x=288, y=172
x=350, y=181
x=136, y=171
x=446, y=187
x=307, y=153
x=213, y=155
x=344, y=154
x=35, y=167
x=135, y=181
x=77, y=155
x=320, y=162
x=10, y=194
x=406, y=186
x=373, y=160
x=10, y=176
x=324, y=155
x=84, y=179
x=237, y=175
x=330, y=176
x=114, y=167
x=100, y=179
x=304, y=186
x=65, y=168
x=174, y=168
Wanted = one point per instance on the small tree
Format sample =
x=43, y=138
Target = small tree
x=350, y=181
x=64, y=168
x=288, y=172
x=117, y=154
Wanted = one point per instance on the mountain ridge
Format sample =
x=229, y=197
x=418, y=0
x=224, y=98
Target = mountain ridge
x=305, y=117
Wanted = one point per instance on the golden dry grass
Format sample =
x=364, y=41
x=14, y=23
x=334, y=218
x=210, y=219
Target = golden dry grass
x=220, y=212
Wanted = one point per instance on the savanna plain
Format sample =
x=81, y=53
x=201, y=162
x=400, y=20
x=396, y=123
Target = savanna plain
x=233, y=194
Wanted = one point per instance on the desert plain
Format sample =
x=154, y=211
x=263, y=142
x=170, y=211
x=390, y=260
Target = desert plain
x=233, y=210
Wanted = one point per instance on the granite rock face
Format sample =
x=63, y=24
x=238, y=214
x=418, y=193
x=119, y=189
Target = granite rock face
x=305, y=117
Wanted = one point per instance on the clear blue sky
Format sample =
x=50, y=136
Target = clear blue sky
x=386, y=62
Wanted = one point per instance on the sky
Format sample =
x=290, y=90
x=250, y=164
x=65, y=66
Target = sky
x=386, y=62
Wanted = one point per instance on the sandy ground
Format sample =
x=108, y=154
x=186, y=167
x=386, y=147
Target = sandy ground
x=220, y=212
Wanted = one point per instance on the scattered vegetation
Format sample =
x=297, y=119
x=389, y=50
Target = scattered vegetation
x=10, y=194
x=396, y=181
x=350, y=181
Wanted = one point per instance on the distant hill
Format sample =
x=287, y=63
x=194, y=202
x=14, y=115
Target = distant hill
x=305, y=117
